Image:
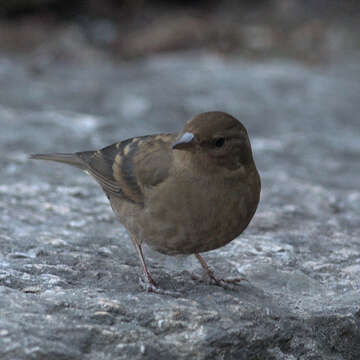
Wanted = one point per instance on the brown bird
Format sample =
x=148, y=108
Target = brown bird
x=183, y=193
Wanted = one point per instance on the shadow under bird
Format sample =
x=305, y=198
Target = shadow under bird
x=182, y=193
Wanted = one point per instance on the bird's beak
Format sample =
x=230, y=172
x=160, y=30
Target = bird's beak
x=185, y=141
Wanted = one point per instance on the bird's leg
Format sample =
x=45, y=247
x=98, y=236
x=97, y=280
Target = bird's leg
x=150, y=284
x=206, y=267
x=210, y=273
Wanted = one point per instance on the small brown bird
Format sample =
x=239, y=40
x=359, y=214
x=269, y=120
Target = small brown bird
x=180, y=193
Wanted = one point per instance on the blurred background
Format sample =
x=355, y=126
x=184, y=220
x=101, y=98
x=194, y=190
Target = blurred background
x=151, y=64
x=309, y=30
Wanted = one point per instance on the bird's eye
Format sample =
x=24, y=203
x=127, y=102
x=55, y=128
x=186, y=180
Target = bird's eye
x=219, y=142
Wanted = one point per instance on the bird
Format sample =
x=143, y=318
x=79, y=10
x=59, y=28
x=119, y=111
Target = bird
x=180, y=193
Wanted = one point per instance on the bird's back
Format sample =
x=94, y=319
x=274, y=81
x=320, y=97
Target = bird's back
x=124, y=169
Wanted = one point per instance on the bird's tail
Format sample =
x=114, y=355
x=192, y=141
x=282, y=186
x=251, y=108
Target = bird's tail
x=70, y=159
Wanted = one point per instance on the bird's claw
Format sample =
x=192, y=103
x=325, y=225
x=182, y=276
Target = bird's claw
x=151, y=287
x=236, y=280
x=224, y=283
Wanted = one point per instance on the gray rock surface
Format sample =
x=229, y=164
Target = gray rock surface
x=69, y=284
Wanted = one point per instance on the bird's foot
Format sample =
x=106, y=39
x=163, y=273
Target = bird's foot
x=224, y=283
x=212, y=279
x=227, y=283
x=148, y=284
x=151, y=287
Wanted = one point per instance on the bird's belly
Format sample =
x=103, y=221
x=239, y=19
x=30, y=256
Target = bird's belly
x=196, y=222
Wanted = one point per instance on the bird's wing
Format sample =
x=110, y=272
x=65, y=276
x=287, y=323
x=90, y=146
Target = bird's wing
x=124, y=169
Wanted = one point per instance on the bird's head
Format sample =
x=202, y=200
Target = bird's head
x=217, y=139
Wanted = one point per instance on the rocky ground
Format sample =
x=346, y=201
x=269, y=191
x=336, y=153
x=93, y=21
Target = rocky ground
x=68, y=273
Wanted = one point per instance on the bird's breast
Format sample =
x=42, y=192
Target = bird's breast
x=193, y=214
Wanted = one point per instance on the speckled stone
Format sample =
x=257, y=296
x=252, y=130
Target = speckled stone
x=69, y=284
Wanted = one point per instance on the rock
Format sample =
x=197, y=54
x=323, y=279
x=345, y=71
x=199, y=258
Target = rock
x=69, y=284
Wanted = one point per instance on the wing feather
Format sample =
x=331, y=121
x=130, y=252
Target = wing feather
x=126, y=168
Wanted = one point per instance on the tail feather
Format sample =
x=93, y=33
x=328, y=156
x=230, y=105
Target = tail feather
x=70, y=159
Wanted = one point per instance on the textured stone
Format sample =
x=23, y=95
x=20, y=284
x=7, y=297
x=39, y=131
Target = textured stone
x=70, y=293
